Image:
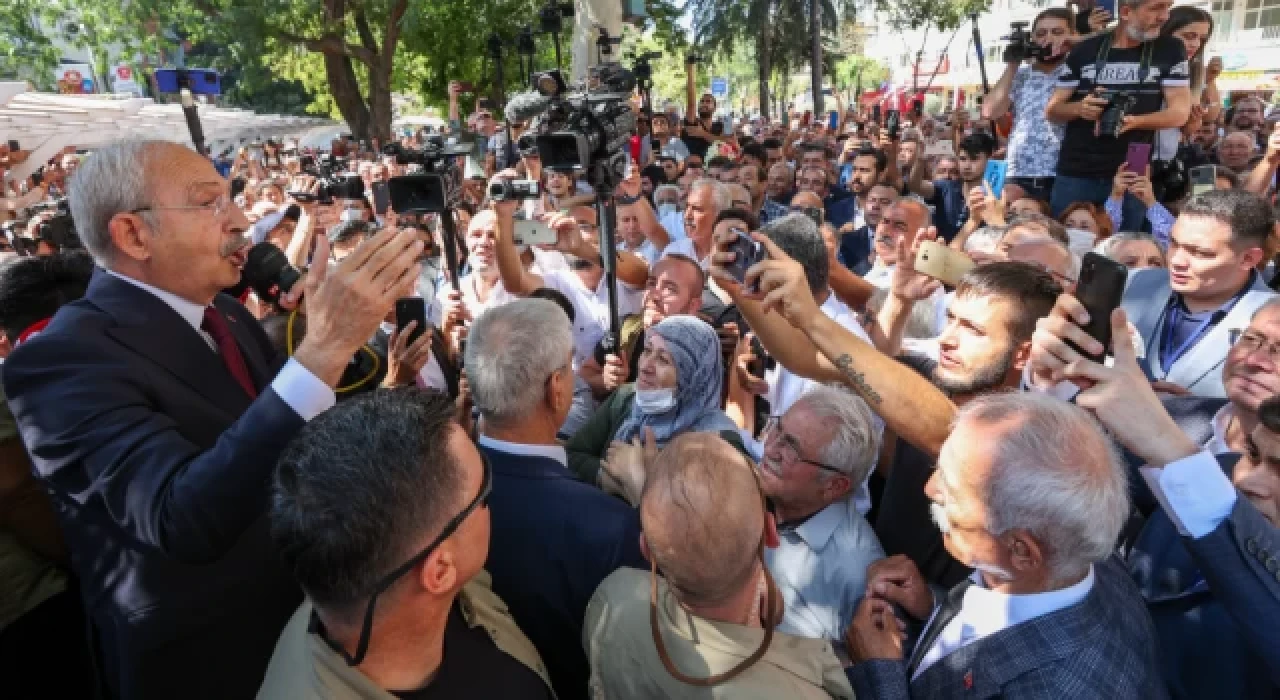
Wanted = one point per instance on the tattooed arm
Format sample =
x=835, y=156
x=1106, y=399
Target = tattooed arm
x=809, y=343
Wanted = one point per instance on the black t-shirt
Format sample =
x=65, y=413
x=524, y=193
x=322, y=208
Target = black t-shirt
x=903, y=523
x=1085, y=155
x=474, y=667
x=696, y=144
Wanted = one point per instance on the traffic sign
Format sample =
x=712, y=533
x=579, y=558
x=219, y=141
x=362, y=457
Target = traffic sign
x=719, y=87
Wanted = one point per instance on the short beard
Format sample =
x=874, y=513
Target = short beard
x=982, y=380
x=706, y=114
x=1140, y=36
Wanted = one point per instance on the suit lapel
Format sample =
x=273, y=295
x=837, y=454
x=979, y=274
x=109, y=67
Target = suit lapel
x=1149, y=315
x=153, y=330
x=1208, y=355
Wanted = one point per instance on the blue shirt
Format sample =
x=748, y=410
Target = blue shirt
x=855, y=250
x=951, y=211
x=839, y=212
x=820, y=567
x=772, y=211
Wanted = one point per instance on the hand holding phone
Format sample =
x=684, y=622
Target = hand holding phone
x=942, y=262
x=994, y=176
x=411, y=309
x=1137, y=158
x=746, y=252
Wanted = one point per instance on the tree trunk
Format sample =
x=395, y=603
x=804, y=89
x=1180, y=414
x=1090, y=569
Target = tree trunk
x=763, y=59
x=346, y=93
x=815, y=59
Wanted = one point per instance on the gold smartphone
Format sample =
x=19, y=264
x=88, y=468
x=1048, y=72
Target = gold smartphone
x=942, y=263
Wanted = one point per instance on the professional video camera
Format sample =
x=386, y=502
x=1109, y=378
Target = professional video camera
x=585, y=129
x=514, y=190
x=59, y=231
x=1021, y=47
x=436, y=187
x=335, y=183
x=1118, y=105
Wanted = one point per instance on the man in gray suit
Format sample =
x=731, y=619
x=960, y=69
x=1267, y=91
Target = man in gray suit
x=1184, y=313
x=1030, y=493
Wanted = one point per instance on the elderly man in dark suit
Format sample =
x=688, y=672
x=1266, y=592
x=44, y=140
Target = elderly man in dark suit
x=154, y=411
x=1028, y=492
x=1206, y=558
x=554, y=538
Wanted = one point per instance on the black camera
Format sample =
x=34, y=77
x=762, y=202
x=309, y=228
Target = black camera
x=694, y=57
x=1169, y=179
x=586, y=128
x=329, y=169
x=551, y=16
x=642, y=67
x=1118, y=105
x=58, y=231
x=1022, y=48
x=508, y=190
x=435, y=188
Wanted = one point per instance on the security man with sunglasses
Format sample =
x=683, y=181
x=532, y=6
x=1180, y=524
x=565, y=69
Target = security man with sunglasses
x=398, y=604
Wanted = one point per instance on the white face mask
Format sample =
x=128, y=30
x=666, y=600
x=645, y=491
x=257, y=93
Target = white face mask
x=666, y=208
x=652, y=402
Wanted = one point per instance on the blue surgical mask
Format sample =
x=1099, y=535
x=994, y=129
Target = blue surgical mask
x=652, y=402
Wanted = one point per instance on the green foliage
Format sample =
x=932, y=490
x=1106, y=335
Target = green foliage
x=943, y=15
x=850, y=70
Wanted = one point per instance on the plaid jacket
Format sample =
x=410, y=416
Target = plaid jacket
x=1103, y=647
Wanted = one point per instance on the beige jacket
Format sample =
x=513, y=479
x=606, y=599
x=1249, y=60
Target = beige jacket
x=625, y=663
x=303, y=665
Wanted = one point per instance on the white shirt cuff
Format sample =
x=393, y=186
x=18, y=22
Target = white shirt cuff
x=303, y=391
x=1064, y=390
x=1194, y=492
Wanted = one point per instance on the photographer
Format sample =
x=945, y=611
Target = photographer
x=1033, y=69
x=699, y=112
x=1119, y=88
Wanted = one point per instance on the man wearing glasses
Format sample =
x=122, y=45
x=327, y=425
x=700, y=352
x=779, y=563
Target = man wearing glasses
x=154, y=409
x=815, y=456
x=391, y=562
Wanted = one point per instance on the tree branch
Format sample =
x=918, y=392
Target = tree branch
x=393, y=27
x=329, y=44
x=366, y=34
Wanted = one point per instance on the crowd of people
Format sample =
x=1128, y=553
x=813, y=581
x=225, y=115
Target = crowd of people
x=826, y=471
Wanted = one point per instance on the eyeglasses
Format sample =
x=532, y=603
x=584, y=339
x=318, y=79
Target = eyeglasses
x=790, y=448
x=481, y=501
x=218, y=207
x=1251, y=342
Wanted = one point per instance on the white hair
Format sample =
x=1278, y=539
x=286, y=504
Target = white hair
x=1108, y=246
x=112, y=180
x=511, y=351
x=1056, y=475
x=854, y=444
x=719, y=193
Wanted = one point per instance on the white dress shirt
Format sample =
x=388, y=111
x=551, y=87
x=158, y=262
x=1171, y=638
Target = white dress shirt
x=685, y=247
x=820, y=567
x=555, y=452
x=591, y=308
x=1217, y=444
x=294, y=383
x=1194, y=492
x=985, y=612
x=431, y=376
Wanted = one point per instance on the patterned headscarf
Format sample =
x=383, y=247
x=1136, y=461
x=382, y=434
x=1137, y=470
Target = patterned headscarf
x=695, y=349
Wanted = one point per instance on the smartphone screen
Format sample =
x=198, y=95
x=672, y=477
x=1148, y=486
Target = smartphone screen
x=833, y=120
x=994, y=176
x=1137, y=158
x=381, y=198
x=13, y=145
x=1204, y=178
x=1100, y=289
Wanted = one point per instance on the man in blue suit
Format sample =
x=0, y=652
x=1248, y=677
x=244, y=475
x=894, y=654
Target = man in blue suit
x=1184, y=313
x=1206, y=558
x=1029, y=493
x=554, y=538
x=154, y=410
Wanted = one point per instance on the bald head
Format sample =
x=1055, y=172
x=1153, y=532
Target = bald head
x=703, y=518
x=806, y=198
x=914, y=212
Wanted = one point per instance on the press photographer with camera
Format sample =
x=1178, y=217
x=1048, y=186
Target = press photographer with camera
x=1034, y=62
x=1119, y=88
x=699, y=112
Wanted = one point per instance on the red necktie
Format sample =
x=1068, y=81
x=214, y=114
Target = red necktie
x=216, y=326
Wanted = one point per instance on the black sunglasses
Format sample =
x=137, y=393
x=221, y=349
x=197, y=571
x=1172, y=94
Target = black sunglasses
x=481, y=500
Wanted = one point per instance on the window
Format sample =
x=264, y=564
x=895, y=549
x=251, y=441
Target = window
x=1262, y=13
x=1223, y=5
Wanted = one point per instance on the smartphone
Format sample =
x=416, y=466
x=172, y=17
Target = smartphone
x=530, y=231
x=1137, y=158
x=942, y=263
x=13, y=146
x=412, y=309
x=424, y=192
x=1204, y=178
x=994, y=176
x=1100, y=289
x=1108, y=5
x=891, y=123
x=747, y=252
x=381, y=198
x=833, y=120
x=875, y=113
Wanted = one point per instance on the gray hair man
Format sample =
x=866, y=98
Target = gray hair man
x=707, y=198
x=1031, y=494
x=815, y=456
x=715, y=608
x=152, y=409
x=391, y=559
x=554, y=538
x=797, y=235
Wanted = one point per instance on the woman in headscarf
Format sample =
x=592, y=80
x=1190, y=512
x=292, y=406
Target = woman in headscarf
x=677, y=390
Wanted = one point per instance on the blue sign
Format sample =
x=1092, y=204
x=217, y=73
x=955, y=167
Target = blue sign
x=86, y=85
x=719, y=87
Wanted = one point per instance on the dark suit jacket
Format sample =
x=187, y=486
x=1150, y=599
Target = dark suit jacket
x=855, y=250
x=553, y=540
x=1103, y=647
x=1215, y=603
x=159, y=465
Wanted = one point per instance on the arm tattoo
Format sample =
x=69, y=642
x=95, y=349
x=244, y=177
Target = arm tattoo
x=844, y=363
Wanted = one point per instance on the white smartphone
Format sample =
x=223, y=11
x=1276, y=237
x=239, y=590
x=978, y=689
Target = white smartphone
x=529, y=230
